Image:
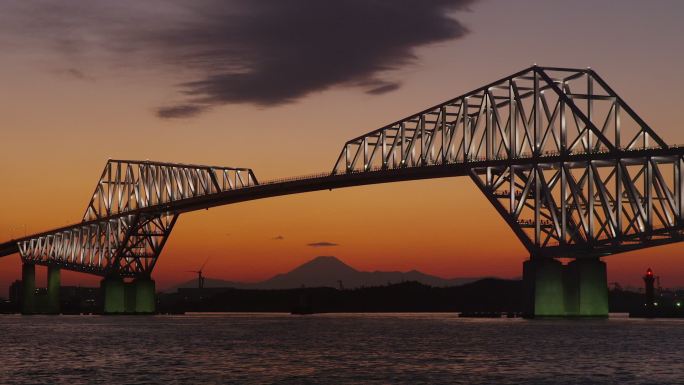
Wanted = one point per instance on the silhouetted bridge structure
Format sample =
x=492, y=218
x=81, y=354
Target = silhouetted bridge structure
x=571, y=168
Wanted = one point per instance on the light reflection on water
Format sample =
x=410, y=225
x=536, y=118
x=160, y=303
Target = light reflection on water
x=338, y=348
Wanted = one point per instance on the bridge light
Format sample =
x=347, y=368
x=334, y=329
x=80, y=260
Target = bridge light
x=678, y=304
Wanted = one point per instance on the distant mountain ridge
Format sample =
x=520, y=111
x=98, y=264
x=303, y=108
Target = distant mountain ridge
x=329, y=271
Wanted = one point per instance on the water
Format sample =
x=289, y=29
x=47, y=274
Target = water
x=337, y=349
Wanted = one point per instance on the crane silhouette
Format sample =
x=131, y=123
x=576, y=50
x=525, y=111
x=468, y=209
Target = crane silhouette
x=200, y=278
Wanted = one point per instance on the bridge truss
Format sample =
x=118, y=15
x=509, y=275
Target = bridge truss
x=571, y=167
x=112, y=241
x=573, y=170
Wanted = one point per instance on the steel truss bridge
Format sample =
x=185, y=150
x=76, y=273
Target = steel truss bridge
x=571, y=168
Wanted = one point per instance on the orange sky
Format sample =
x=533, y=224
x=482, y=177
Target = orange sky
x=57, y=133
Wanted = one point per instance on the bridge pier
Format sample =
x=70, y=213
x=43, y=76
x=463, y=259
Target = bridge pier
x=53, y=284
x=28, y=288
x=145, y=300
x=32, y=303
x=129, y=297
x=119, y=297
x=592, y=287
x=578, y=289
x=113, y=295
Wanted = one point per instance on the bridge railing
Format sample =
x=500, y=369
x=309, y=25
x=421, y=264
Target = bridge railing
x=295, y=178
x=525, y=155
x=535, y=111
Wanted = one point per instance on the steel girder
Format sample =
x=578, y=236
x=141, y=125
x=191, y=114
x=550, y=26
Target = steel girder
x=129, y=185
x=128, y=245
x=111, y=242
x=531, y=114
x=588, y=208
x=533, y=126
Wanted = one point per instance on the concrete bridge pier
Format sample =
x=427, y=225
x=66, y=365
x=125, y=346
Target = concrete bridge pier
x=578, y=289
x=28, y=288
x=54, y=282
x=32, y=303
x=145, y=299
x=113, y=295
x=136, y=297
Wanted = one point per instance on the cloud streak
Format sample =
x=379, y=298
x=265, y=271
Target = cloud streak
x=322, y=244
x=180, y=111
x=74, y=73
x=259, y=52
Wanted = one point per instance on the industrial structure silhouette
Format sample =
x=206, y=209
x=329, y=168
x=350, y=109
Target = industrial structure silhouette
x=571, y=168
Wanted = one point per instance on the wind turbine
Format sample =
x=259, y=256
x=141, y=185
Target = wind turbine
x=200, y=278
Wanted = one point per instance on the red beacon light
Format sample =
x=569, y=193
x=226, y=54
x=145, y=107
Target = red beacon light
x=649, y=280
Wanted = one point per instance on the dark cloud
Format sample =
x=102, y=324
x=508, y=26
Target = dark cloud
x=261, y=52
x=322, y=244
x=274, y=52
x=180, y=111
x=278, y=238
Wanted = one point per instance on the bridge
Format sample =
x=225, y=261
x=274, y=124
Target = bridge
x=569, y=166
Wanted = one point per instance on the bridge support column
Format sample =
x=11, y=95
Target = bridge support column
x=53, y=285
x=119, y=297
x=579, y=289
x=544, y=289
x=28, y=288
x=591, y=285
x=129, y=297
x=145, y=300
x=113, y=297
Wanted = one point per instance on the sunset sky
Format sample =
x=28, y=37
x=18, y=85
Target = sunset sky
x=279, y=86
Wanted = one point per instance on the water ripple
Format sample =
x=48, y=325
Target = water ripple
x=337, y=349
